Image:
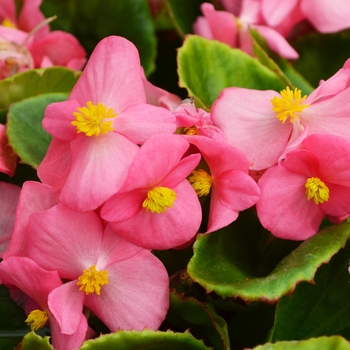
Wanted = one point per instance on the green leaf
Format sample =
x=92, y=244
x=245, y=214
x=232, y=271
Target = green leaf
x=33, y=341
x=206, y=67
x=95, y=20
x=36, y=82
x=183, y=14
x=201, y=318
x=223, y=263
x=12, y=326
x=25, y=132
x=324, y=343
x=145, y=340
x=321, y=55
x=317, y=309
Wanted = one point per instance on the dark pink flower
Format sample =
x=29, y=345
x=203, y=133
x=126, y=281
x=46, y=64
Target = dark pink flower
x=310, y=184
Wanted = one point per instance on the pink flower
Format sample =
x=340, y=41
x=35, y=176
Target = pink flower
x=234, y=31
x=122, y=284
x=326, y=16
x=263, y=124
x=97, y=130
x=37, y=283
x=232, y=189
x=8, y=159
x=34, y=197
x=196, y=121
x=157, y=208
x=308, y=185
x=9, y=197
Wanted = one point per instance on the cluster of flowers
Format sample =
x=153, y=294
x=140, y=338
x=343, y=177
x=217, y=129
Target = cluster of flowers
x=126, y=171
x=275, y=20
x=26, y=41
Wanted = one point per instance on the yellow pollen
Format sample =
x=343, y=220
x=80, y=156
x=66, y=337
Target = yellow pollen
x=159, y=199
x=191, y=131
x=289, y=105
x=36, y=319
x=94, y=119
x=8, y=23
x=316, y=189
x=92, y=280
x=201, y=182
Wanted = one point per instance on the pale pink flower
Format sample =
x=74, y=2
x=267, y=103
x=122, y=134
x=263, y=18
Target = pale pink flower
x=122, y=284
x=9, y=194
x=157, y=208
x=234, y=31
x=310, y=184
x=229, y=184
x=264, y=124
x=97, y=130
x=37, y=283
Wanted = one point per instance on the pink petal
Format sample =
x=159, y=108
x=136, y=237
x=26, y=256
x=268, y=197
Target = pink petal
x=137, y=295
x=64, y=240
x=30, y=16
x=60, y=47
x=34, y=197
x=8, y=10
x=276, y=11
x=139, y=122
x=338, y=204
x=8, y=159
x=277, y=42
x=283, y=208
x=99, y=168
x=233, y=6
x=66, y=304
x=220, y=215
x=29, y=277
x=54, y=168
x=9, y=195
x=222, y=24
x=165, y=230
x=248, y=122
x=327, y=16
x=329, y=116
x=112, y=76
x=302, y=162
x=58, y=120
x=201, y=27
x=237, y=190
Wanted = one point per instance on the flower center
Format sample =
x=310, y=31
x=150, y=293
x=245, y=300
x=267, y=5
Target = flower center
x=37, y=319
x=316, y=189
x=201, y=182
x=289, y=105
x=193, y=130
x=8, y=23
x=94, y=119
x=158, y=199
x=92, y=280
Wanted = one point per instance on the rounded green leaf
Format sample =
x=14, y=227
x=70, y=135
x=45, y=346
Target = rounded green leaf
x=26, y=135
x=221, y=265
x=145, y=340
x=36, y=82
x=324, y=343
x=317, y=309
x=33, y=341
x=206, y=67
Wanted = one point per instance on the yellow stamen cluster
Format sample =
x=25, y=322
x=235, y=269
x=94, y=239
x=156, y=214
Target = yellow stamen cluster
x=191, y=131
x=8, y=23
x=201, y=182
x=92, y=280
x=94, y=120
x=159, y=199
x=37, y=319
x=316, y=189
x=289, y=105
